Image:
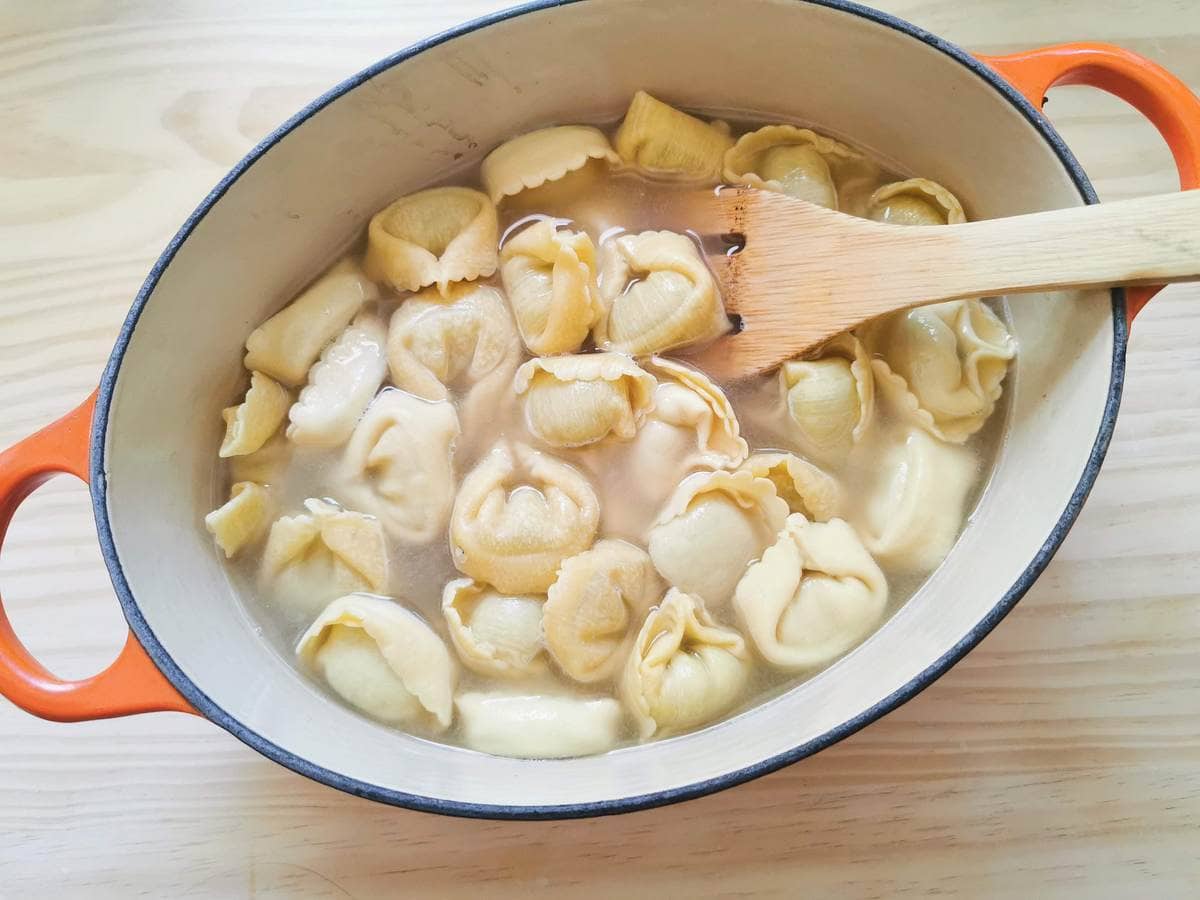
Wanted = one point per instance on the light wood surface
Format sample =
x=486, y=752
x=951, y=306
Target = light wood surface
x=1061, y=758
x=849, y=270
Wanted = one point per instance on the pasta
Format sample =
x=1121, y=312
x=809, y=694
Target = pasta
x=663, y=140
x=538, y=726
x=397, y=465
x=550, y=277
x=916, y=201
x=916, y=507
x=321, y=554
x=498, y=416
x=815, y=593
x=800, y=163
x=251, y=423
x=518, y=515
x=340, y=385
x=494, y=633
x=433, y=237
x=594, y=606
x=435, y=343
x=287, y=344
x=802, y=486
x=830, y=399
x=242, y=519
x=382, y=659
x=943, y=364
x=714, y=525
x=571, y=401
x=533, y=159
x=656, y=294
x=684, y=670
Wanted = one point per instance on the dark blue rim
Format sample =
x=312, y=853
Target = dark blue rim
x=215, y=713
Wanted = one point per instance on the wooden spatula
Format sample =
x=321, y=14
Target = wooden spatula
x=805, y=273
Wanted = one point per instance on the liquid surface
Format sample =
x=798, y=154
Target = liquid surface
x=604, y=204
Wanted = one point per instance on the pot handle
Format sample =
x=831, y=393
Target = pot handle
x=132, y=684
x=1157, y=94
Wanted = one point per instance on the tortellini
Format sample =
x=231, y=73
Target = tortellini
x=917, y=201
x=518, y=515
x=917, y=505
x=595, y=606
x=383, y=659
x=433, y=237
x=951, y=357
x=692, y=419
x=656, y=294
x=435, y=343
x=326, y=552
x=661, y=139
x=830, y=399
x=494, y=633
x=805, y=488
x=550, y=277
x=714, y=525
x=684, y=669
x=398, y=464
x=802, y=164
x=538, y=726
x=571, y=401
x=242, y=519
x=255, y=420
x=340, y=385
x=815, y=593
x=287, y=344
x=530, y=160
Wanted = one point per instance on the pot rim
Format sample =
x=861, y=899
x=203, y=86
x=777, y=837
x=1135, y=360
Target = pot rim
x=203, y=704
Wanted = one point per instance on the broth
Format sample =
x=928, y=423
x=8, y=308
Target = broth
x=604, y=204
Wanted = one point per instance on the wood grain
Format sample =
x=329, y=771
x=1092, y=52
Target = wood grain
x=1061, y=758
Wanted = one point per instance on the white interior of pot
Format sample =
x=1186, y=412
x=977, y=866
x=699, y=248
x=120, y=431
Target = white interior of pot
x=285, y=217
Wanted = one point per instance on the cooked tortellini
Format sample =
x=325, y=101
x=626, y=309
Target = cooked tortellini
x=549, y=274
x=494, y=633
x=435, y=343
x=323, y=553
x=382, y=659
x=593, y=608
x=433, y=237
x=242, y=519
x=536, y=725
x=830, y=399
x=815, y=593
x=804, y=487
x=252, y=422
x=530, y=160
x=340, y=385
x=916, y=506
x=503, y=416
x=684, y=669
x=518, y=515
x=917, y=201
x=714, y=525
x=287, y=344
x=663, y=140
x=802, y=164
x=571, y=401
x=656, y=294
x=952, y=357
x=397, y=465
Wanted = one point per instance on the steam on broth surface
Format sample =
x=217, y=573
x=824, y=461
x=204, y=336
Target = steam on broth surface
x=476, y=490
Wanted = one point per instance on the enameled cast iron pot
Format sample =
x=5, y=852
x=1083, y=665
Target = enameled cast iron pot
x=147, y=439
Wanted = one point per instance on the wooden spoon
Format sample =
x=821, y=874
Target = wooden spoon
x=805, y=273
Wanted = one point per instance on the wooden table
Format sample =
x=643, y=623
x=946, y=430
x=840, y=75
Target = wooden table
x=1062, y=757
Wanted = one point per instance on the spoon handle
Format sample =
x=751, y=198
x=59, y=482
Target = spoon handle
x=1150, y=240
